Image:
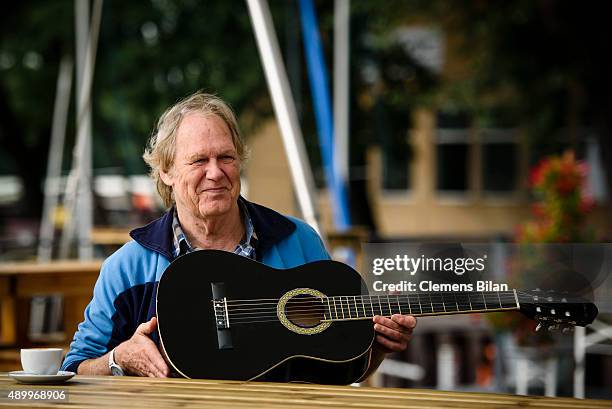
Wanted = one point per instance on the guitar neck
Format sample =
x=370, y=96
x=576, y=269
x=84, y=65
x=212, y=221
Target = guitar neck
x=360, y=307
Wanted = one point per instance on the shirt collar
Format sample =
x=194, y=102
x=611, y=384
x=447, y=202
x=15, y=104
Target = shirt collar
x=270, y=227
x=246, y=247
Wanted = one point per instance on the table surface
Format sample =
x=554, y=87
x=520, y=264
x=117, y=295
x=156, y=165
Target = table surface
x=150, y=393
x=51, y=267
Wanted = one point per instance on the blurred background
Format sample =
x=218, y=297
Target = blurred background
x=463, y=121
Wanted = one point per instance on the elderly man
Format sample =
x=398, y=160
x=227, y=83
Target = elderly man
x=195, y=157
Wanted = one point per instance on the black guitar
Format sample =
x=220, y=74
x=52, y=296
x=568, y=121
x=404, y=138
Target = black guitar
x=223, y=316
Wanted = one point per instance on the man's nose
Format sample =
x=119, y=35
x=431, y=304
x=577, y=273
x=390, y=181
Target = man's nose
x=213, y=170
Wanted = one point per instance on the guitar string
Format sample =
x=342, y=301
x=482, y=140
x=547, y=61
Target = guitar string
x=381, y=300
x=318, y=303
x=402, y=296
x=236, y=320
x=275, y=318
x=318, y=310
x=493, y=293
x=395, y=299
x=363, y=301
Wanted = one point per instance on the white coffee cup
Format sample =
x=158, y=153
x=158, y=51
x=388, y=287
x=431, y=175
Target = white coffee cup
x=41, y=361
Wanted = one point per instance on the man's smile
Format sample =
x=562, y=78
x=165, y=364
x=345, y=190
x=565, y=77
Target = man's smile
x=215, y=190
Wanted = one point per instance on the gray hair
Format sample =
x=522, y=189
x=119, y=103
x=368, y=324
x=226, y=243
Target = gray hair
x=161, y=147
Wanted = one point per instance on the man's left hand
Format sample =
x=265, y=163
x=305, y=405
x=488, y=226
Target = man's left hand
x=392, y=335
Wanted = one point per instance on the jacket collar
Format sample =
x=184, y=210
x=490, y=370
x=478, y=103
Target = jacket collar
x=271, y=228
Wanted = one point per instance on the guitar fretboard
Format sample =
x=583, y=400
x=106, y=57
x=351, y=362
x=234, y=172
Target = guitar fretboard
x=341, y=308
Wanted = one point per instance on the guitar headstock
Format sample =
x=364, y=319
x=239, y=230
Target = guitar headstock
x=556, y=311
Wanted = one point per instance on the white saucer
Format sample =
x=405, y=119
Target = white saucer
x=24, y=377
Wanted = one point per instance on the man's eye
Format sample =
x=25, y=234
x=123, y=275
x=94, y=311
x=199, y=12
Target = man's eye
x=227, y=158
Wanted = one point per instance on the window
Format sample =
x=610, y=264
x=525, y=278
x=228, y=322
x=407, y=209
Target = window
x=452, y=160
x=500, y=160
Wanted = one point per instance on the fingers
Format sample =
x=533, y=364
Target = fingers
x=147, y=327
x=140, y=356
x=402, y=323
x=406, y=321
x=160, y=367
x=390, y=346
x=146, y=361
x=394, y=333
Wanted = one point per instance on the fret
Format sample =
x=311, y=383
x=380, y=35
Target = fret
x=431, y=303
x=450, y=302
x=426, y=307
x=507, y=299
x=348, y=307
x=456, y=302
x=424, y=304
x=324, y=312
x=492, y=300
x=409, y=305
x=477, y=301
x=398, y=304
x=463, y=301
x=335, y=308
x=435, y=300
x=380, y=306
x=372, y=306
x=363, y=306
x=415, y=304
x=389, y=303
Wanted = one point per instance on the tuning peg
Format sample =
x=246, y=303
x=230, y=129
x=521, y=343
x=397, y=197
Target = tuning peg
x=553, y=327
x=538, y=327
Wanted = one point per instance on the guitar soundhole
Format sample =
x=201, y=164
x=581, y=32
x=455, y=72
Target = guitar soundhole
x=304, y=310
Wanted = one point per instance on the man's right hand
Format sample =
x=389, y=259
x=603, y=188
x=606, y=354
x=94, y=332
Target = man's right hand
x=139, y=355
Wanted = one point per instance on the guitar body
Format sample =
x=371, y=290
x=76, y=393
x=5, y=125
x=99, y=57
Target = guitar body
x=258, y=340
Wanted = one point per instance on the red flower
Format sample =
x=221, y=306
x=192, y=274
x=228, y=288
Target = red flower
x=586, y=205
x=538, y=173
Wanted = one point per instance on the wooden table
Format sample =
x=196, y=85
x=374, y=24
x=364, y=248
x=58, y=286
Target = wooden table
x=20, y=281
x=150, y=393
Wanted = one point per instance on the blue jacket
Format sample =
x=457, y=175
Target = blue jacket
x=124, y=295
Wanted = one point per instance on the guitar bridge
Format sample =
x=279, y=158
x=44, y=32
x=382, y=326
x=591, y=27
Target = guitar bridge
x=221, y=313
x=224, y=335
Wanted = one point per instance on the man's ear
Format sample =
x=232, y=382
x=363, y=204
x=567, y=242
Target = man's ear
x=166, y=177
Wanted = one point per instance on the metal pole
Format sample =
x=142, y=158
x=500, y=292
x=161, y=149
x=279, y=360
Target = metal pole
x=78, y=189
x=317, y=74
x=54, y=162
x=579, y=358
x=341, y=88
x=284, y=108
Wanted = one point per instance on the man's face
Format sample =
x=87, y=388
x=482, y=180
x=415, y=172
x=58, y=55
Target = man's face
x=205, y=177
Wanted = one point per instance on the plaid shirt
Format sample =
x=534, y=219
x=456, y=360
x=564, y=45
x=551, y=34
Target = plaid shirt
x=245, y=248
